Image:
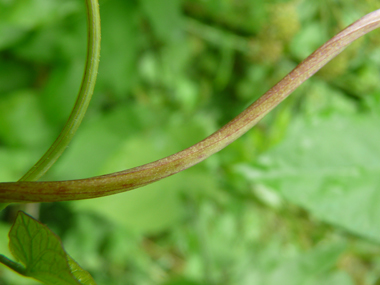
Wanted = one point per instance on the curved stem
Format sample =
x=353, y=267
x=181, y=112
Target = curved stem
x=151, y=172
x=83, y=100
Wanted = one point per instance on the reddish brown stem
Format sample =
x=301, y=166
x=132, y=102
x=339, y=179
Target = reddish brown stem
x=142, y=175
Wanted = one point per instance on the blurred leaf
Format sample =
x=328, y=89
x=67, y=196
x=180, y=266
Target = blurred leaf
x=257, y=14
x=182, y=281
x=9, y=34
x=120, y=40
x=14, y=162
x=96, y=141
x=21, y=119
x=278, y=264
x=32, y=13
x=339, y=277
x=323, y=99
x=254, y=84
x=154, y=207
x=165, y=17
x=40, y=250
x=14, y=75
x=308, y=40
x=363, y=81
x=330, y=166
x=85, y=238
x=45, y=39
x=303, y=269
x=17, y=18
x=61, y=89
x=150, y=209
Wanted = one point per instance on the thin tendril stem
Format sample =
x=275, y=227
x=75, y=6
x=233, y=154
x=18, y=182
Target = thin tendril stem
x=83, y=100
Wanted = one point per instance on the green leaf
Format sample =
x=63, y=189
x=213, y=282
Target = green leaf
x=42, y=254
x=79, y=273
x=331, y=167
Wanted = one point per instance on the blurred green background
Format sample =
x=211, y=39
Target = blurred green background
x=294, y=201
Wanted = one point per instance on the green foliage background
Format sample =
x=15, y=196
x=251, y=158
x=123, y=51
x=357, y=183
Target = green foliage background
x=294, y=201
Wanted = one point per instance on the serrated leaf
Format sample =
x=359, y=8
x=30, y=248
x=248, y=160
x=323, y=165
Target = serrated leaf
x=42, y=254
x=331, y=167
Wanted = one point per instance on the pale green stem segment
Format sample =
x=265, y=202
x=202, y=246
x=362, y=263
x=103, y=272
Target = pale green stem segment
x=83, y=100
x=148, y=173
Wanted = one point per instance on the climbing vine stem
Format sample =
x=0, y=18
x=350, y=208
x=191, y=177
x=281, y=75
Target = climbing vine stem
x=83, y=99
x=25, y=191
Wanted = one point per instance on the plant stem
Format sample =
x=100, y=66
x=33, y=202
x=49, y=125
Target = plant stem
x=83, y=100
x=13, y=265
x=142, y=175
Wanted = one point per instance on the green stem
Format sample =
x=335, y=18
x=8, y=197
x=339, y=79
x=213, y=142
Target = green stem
x=142, y=175
x=13, y=265
x=83, y=99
